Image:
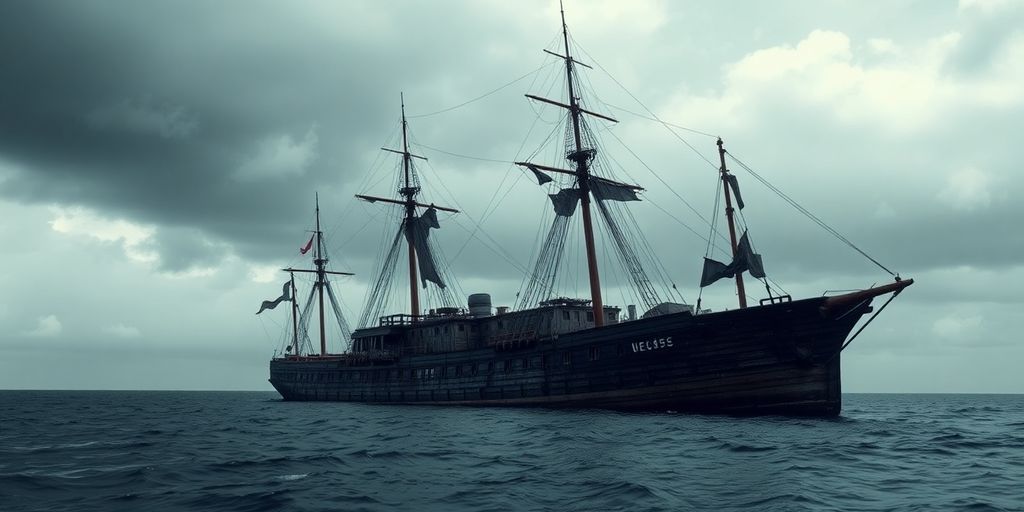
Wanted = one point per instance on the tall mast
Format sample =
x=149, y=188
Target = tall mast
x=732, y=227
x=295, y=314
x=408, y=192
x=321, y=278
x=410, y=213
x=582, y=158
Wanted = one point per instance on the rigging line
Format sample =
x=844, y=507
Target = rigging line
x=508, y=257
x=482, y=96
x=648, y=250
x=649, y=111
x=753, y=247
x=808, y=214
x=500, y=251
x=467, y=157
x=641, y=116
x=372, y=218
x=714, y=220
x=663, y=182
x=492, y=206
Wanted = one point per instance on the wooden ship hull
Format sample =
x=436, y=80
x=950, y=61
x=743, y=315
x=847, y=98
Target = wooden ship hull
x=781, y=358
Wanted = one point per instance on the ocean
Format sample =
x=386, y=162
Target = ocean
x=250, y=451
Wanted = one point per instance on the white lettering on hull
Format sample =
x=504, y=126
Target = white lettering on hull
x=655, y=344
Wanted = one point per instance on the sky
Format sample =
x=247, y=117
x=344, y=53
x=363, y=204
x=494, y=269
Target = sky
x=159, y=162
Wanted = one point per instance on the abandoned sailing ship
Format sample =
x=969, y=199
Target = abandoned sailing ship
x=781, y=356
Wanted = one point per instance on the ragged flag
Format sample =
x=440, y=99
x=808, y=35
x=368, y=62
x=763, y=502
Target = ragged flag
x=286, y=296
x=309, y=244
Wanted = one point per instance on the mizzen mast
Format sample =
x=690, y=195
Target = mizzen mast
x=732, y=225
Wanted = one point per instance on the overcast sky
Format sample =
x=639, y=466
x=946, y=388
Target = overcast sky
x=158, y=163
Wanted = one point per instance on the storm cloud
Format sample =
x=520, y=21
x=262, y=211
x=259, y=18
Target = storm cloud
x=159, y=162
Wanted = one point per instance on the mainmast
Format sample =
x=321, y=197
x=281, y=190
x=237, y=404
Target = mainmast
x=409, y=192
x=732, y=227
x=320, y=261
x=582, y=157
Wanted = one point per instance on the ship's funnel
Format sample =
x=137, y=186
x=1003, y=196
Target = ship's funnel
x=480, y=304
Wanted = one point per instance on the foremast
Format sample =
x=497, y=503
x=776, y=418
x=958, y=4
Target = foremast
x=320, y=261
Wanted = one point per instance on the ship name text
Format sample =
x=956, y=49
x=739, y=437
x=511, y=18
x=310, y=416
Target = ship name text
x=655, y=344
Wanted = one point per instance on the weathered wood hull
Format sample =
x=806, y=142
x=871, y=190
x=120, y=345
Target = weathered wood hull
x=774, y=359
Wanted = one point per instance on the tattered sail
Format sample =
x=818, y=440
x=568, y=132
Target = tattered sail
x=746, y=259
x=611, y=191
x=734, y=184
x=417, y=233
x=542, y=177
x=565, y=201
x=286, y=296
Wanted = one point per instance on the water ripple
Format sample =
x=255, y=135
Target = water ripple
x=250, y=451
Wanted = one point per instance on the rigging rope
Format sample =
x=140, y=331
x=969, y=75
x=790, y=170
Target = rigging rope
x=478, y=98
x=655, y=119
x=807, y=213
x=649, y=111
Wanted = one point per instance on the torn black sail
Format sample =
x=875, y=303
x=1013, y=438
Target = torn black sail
x=417, y=233
x=565, y=201
x=746, y=259
x=607, y=190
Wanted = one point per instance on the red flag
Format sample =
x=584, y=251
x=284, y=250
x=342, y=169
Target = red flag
x=309, y=244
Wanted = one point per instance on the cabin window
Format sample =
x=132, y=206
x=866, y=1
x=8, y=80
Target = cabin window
x=566, y=358
x=437, y=330
x=576, y=315
x=590, y=316
x=565, y=314
x=595, y=353
x=462, y=327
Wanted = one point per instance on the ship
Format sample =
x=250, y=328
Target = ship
x=775, y=355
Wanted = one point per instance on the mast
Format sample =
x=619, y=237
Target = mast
x=321, y=278
x=408, y=194
x=732, y=228
x=295, y=314
x=410, y=213
x=320, y=260
x=582, y=158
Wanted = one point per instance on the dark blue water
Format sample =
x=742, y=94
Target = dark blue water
x=249, y=451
